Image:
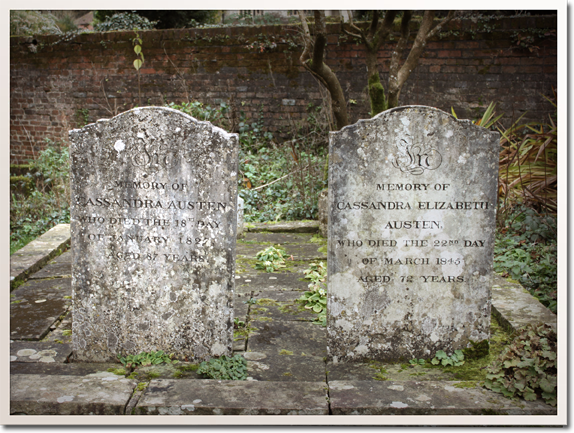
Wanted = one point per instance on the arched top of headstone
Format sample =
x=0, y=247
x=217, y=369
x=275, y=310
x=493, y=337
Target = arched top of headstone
x=410, y=110
x=143, y=112
x=152, y=138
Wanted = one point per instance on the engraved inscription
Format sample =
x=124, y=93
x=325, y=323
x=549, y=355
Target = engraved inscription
x=415, y=159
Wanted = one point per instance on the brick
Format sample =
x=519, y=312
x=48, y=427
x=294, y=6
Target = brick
x=75, y=82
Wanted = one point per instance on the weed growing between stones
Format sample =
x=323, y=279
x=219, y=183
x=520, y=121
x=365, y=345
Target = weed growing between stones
x=456, y=359
x=270, y=259
x=146, y=358
x=316, y=298
x=224, y=368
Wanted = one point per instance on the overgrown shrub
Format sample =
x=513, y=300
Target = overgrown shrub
x=165, y=19
x=48, y=203
x=525, y=250
x=528, y=166
x=527, y=368
x=124, y=21
x=217, y=115
x=281, y=184
x=29, y=23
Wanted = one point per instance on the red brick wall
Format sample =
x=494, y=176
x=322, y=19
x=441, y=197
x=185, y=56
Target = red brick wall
x=474, y=63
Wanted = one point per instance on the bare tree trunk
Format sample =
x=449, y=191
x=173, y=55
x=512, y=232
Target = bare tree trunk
x=312, y=59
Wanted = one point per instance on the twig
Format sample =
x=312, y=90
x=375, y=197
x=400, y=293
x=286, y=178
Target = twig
x=277, y=180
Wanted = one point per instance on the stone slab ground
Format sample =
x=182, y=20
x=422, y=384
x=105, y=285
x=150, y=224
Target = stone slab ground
x=284, y=349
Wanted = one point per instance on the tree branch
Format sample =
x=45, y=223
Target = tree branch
x=426, y=31
x=314, y=63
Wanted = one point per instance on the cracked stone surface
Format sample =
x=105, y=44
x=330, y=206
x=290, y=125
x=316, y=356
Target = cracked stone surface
x=60, y=267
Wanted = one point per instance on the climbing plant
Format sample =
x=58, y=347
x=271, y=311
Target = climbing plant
x=138, y=62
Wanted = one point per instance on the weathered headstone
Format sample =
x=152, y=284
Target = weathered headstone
x=240, y=216
x=412, y=196
x=153, y=223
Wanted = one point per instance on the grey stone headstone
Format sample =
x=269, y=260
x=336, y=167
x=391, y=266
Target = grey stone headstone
x=240, y=216
x=413, y=196
x=153, y=226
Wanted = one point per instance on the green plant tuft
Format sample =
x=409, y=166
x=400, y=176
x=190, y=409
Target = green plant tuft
x=455, y=360
x=270, y=259
x=225, y=368
x=316, y=298
x=145, y=358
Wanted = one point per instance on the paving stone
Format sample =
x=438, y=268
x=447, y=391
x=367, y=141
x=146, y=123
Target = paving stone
x=61, y=266
x=36, y=305
x=227, y=397
x=97, y=394
x=269, y=359
x=284, y=368
x=279, y=305
x=39, y=352
x=300, y=338
x=424, y=398
x=263, y=281
x=63, y=330
x=59, y=369
x=298, y=251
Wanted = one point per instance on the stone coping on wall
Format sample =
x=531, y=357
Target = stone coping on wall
x=37, y=253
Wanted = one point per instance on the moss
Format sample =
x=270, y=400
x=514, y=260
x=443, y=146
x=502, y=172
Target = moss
x=475, y=369
x=285, y=352
x=477, y=350
x=380, y=376
x=287, y=373
x=140, y=386
x=152, y=375
x=117, y=371
x=292, y=308
x=245, y=332
x=377, y=95
x=178, y=375
x=422, y=373
x=489, y=412
x=264, y=319
x=467, y=384
x=267, y=301
x=189, y=367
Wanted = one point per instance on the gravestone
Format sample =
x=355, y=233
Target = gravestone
x=153, y=224
x=240, y=216
x=412, y=195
